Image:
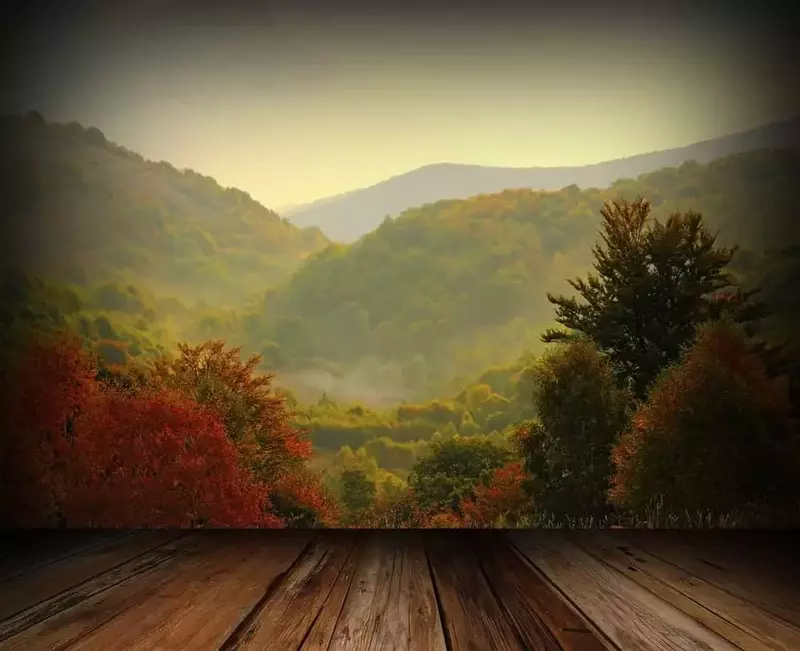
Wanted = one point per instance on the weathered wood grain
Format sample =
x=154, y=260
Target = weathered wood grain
x=544, y=621
x=472, y=618
x=736, y=620
x=201, y=605
x=65, y=618
x=734, y=572
x=633, y=618
x=283, y=620
x=401, y=591
x=25, y=551
x=391, y=604
x=321, y=633
x=37, y=585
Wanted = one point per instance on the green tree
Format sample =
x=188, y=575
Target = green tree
x=653, y=285
x=358, y=492
x=453, y=467
x=581, y=411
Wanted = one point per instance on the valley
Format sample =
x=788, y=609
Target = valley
x=416, y=342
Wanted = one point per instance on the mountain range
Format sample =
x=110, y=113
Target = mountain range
x=348, y=216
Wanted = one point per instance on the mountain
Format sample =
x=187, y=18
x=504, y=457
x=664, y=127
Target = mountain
x=452, y=287
x=348, y=216
x=82, y=209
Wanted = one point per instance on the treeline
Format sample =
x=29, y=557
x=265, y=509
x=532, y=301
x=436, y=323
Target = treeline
x=456, y=286
x=431, y=298
x=196, y=440
x=666, y=402
x=668, y=399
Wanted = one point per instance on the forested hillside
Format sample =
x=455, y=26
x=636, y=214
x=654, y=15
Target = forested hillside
x=85, y=210
x=412, y=384
x=453, y=287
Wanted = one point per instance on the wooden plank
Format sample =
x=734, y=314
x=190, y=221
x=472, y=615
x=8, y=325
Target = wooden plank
x=68, y=616
x=27, y=589
x=543, y=620
x=283, y=620
x=735, y=573
x=736, y=620
x=25, y=551
x=471, y=616
x=202, y=604
x=631, y=617
x=767, y=553
x=321, y=633
x=772, y=551
x=391, y=603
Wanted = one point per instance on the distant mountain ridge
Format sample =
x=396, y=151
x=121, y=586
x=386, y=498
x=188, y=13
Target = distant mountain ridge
x=348, y=216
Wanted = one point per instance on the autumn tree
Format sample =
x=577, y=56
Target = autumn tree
x=581, y=411
x=653, y=284
x=78, y=452
x=157, y=460
x=501, y=502
x=452, y=468
x=47, y=383
x=300, y=499
x=255, y=416
x=713, y=434
x=401, y=510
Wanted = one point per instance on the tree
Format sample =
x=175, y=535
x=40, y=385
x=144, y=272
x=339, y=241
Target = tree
x=358, y=491
x=80, y=452
x=255, y=416
x=581, y=411
x=713, y=434
x=47, y=384
x=157, y=460
x=453, y=468
x=502, y=501
x=301, y=500
x=398, y=511
x=652, y=287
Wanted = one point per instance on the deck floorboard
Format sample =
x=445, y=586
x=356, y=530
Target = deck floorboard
x=399, y=591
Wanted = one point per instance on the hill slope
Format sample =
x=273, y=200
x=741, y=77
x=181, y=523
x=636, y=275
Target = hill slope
x=452, y=287
x=346, y=217
x=80, y=208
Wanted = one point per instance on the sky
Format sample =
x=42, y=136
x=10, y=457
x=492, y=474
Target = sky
x=294, y=101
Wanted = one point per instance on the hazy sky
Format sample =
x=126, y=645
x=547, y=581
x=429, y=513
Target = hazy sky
x=296, y=105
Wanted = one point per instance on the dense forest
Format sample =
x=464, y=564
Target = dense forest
x=175, y=354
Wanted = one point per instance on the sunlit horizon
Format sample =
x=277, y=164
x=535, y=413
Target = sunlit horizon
x=293, y=109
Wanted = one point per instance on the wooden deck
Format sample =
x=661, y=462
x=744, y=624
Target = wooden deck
x=399, y=590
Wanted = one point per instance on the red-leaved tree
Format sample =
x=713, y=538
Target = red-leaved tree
x=501, y=501
x=713, y=434
x=79, y=453
x=46, y=385
x=300, y=499
x=158, y=460
x=254, y=415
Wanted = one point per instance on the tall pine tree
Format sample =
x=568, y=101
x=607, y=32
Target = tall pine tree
x=653, y=284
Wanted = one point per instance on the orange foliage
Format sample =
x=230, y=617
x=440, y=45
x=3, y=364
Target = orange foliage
x=397, y=512
x=255, y=416
x=444, y=520
x=301, y=499
x=156, y=460
x=502, y=498
x=79, y=450
x=52, y=381
x=710, y=435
